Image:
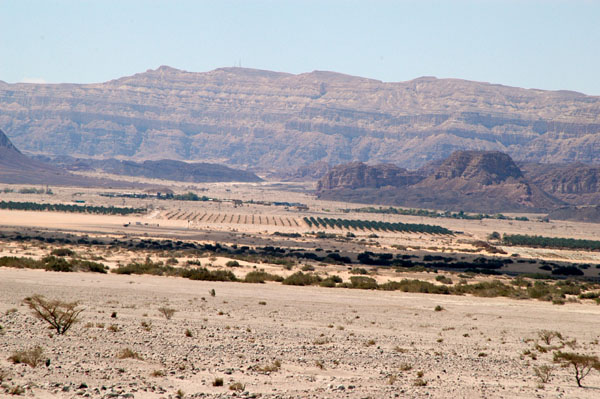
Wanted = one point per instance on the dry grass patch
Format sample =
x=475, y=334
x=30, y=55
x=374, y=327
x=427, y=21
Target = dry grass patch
x=237, y=386
x=166, y=312
x=32, y=357
x=269, y=368
x=129, y=354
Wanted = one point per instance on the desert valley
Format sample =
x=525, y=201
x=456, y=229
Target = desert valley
x=256, y=199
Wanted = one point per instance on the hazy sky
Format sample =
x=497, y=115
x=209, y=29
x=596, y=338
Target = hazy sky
x=548, y=44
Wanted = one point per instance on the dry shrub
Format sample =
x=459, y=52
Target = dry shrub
x=167, y=312
x=547, y=336
x=544, y=373
x=270, y=368
x=218, y=382
x=32, y=356
x=4, y=375
x=129, y=354
x=237, y=386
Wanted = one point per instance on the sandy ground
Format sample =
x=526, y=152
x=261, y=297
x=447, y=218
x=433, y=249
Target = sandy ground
x=333, y=343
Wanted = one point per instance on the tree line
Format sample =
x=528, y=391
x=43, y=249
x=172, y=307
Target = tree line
x=550, y=242
x=102, y=210
x=375, y=225
x=434, y=214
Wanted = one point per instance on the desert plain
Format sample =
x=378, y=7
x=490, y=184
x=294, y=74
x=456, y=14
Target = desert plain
x=270, y=340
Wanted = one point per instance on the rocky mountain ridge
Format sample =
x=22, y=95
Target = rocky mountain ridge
x=165, y=169
x=16, y=168
x=273, y=121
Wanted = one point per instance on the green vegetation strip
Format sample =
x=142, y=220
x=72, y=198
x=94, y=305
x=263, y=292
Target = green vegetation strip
x=53, y=263
x=518, y=288
x=102, y=210
x=550, y=242
x=372, y=225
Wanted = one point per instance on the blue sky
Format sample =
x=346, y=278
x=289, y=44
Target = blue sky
x=548, y=44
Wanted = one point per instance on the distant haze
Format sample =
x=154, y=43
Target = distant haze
x=547, y=44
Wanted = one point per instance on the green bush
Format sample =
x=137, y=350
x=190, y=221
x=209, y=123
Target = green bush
x=488, y=289
x=406, y=285
x=148, y=267
x=443, y=279
x=300, y=278
x=52, y=263
x=89, y=266
x=260, y=276
x=331, y=281
x=208, y=275
x=363, y=283
x=359, y=270
x=21, y=262
x=62, y=252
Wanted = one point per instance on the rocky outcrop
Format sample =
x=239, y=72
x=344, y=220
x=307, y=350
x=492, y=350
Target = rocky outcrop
x=359, y=175
x=276, y=121
x=484, y=168
x=473, y=181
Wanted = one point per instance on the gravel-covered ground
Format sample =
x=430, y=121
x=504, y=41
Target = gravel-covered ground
x=329, y=343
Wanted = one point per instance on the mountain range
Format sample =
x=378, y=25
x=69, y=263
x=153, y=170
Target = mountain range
x=166, y=169
x=16, y=168
x=278, y=121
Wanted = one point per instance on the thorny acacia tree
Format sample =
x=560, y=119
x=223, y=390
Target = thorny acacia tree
x=60, y=315
x=582, y=364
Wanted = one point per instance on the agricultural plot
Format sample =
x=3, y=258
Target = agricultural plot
x=231, y=218
x=351, y=224
x=308, y=221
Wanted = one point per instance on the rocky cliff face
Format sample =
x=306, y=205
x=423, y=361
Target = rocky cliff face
x=276, y=121
x=473, y=181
